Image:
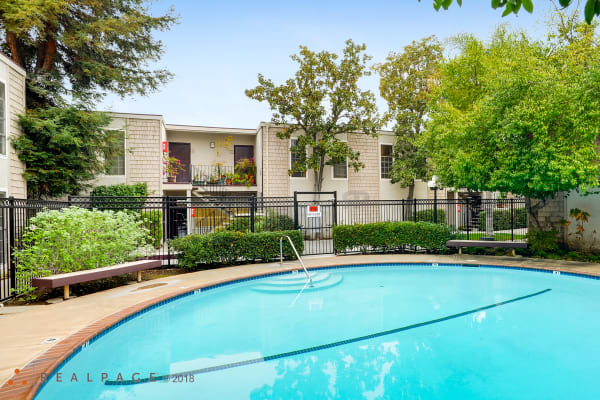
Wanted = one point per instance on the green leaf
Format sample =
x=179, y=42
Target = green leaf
x=528, y=5
x=590, y=10
x=508, y=9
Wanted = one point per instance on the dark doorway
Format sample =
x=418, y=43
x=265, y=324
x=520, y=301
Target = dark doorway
x=182, y=152
x=242, y=151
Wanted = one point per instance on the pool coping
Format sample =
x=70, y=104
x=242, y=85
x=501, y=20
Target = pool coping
x=26, y=384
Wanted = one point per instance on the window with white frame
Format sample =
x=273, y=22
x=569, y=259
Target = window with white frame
x=387, y=160
x=3, y=116
x=296, y=156
x=340, y=170
x=117, y=163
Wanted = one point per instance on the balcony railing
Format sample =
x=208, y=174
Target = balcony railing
x=222, y=175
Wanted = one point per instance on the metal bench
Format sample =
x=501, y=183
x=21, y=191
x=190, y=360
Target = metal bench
x=88, y=275
x=486, y=243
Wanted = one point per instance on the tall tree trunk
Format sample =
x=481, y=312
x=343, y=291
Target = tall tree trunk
x=13, y=45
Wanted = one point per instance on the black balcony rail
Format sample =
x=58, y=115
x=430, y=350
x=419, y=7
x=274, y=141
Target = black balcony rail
x=171, y=217
x=222, y=175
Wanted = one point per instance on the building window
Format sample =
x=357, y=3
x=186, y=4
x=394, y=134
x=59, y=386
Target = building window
x=386, y=160
x=2, y=119
x=340, y=170
x=296, y=156
x=117, y=163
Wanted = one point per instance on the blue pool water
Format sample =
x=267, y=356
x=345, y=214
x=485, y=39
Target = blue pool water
x=371, y=332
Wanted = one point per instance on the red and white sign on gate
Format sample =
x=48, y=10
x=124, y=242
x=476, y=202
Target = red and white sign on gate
x=458, y=207
x=313, y=211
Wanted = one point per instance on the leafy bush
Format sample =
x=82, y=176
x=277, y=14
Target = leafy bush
x=502, y=219
x=272, y=222
x=543, y=241
x=427, y=216
x=388, y=236
x=122, y=190
x=74, y=239
x=231, y=247
x=152, y=220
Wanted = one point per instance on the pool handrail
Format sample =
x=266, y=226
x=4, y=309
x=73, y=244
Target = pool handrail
x=297, y=255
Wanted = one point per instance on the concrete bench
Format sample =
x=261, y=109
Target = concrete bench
x=486, y=243
x=88, y=275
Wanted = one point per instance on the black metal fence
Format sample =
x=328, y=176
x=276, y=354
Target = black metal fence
x=314, y=214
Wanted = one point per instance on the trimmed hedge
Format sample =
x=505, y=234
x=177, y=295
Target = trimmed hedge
x=389, y=236
x=272, y=222
x=232, y=247
x=121, y=189
x=502, y=219
x=427, y=216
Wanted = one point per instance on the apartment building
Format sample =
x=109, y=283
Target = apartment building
x=12, y=104
x=243, y=162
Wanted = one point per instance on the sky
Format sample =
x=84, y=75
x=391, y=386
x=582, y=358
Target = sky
x=219, y=47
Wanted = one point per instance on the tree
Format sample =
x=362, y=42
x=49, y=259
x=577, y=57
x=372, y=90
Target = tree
x=591, y=10
x=406, y=82
x=80, y=49
x=74, y=52
x=519, y=116
x=320, y=103
x=63, y=149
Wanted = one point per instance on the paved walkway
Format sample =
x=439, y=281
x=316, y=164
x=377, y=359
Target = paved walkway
x=23, y=331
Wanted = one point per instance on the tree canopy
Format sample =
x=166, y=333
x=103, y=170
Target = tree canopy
x=320, y=103
x=591, y=9
x=80, y=49
x=63, y=149
x=518, y=115
x=407, y=79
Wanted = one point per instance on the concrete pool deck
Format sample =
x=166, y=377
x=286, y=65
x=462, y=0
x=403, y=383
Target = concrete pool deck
x=25, y=331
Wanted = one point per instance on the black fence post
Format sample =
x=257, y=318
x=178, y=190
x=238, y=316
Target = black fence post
x=69, y=200
x=335, y=207
x=403, y=211
x=468, y=215
x=12, y=245
x=296, y=226
x=415, y=210
x=512, y=221
x=252, y=212
x=435, y=205
x=167, y=201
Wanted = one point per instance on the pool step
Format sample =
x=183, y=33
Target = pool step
x=293, y=283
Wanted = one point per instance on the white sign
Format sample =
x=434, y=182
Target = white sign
x=313, y=211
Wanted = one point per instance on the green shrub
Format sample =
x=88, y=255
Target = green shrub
x=152, y=220
x=122, y=190
x=427, y=216
x=232, y=247
x=272, y=222
x=389, y=236
x=502, y=219
x=540, y=242
x=74, y=239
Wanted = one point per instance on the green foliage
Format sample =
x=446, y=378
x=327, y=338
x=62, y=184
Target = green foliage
x=592, y=7
x=428, y=216
x=63, y=149
x=121, y=190
x=406, y=81
x=81, y=49
x=153, y=222
x=103, y=198
x=74, y=239
x=321, y=102
x=517, y=115
x=542, y=242
x=502, y=219
x=270, y=223
x=390, y=236
x=227, y=248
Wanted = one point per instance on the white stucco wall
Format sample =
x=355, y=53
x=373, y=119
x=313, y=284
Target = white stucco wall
x=590, y=204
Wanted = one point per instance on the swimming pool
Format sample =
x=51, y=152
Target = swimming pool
x=374, y=331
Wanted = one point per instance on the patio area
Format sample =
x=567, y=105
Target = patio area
x=31, y=331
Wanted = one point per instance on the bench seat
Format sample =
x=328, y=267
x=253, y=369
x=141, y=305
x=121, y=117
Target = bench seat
x=486, y=243
x=88, y=275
